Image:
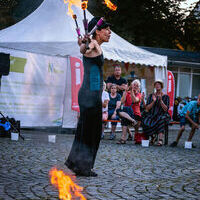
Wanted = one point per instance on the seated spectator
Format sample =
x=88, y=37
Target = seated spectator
x=142, y=104
x=195, y=98
x=105, y=99
x=131, y=111
x=113, y=105
x=117, y=79
x=138, y=137
x=130, y=135
x=157, y=113
x=181, y=105
x=191, y=114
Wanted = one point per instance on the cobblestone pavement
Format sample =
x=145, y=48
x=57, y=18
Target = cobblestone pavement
x=124, y=171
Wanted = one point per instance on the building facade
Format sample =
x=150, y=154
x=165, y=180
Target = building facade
x=186, y=69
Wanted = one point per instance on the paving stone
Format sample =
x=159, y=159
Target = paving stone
x=124, y=171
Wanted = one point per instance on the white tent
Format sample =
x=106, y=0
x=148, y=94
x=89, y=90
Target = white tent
x=50, y=31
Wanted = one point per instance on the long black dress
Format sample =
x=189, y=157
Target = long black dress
x=88, y=134
x=155, y=120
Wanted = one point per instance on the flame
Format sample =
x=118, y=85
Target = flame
x=110, y=5
x=70, y=3
x=84, y=4
x=66, y=187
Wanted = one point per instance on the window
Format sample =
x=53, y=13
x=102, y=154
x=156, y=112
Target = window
x=184, y=85
x=196, y=71
x=185, y=69
x=173, y=69
x=196, y=85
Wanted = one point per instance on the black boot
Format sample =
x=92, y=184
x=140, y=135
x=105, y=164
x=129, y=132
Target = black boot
x=87, y=173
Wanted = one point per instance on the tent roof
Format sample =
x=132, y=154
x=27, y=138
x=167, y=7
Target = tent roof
x=49, y=30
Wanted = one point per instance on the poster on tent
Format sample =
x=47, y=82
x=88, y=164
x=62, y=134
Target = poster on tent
x=171, y=91
x=33, y=92
x=76, y=80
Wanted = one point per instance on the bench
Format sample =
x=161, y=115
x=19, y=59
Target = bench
x=166, y=134
x=111, y=120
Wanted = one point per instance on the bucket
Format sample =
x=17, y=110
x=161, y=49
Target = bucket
x=145, y=143
x=188, y=145
x=52, y=138
x=14, y=136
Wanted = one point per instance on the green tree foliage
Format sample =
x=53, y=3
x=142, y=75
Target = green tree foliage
x=5, y=13
x=25, y=8
x=157, y=23
x=191, y=39
x=12, y=11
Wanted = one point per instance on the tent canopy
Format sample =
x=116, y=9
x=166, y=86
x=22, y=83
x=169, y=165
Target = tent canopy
x=49, y=30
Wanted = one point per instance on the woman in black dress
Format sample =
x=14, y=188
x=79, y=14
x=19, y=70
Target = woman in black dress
x=88, y=134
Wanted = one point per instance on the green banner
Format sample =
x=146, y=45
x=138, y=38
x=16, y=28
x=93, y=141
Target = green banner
x=17, y=64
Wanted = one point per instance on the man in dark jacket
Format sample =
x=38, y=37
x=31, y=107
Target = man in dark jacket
x=117, y=79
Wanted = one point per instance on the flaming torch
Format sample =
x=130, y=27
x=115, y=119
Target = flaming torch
x=110, y=5
x=99, y=23
x=77, y=27
x=85, y=21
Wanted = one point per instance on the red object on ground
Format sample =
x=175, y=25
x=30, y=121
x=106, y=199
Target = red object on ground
x=138, y=137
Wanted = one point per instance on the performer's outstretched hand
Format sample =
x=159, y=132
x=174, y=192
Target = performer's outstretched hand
x=79, y=41
x=83, y=40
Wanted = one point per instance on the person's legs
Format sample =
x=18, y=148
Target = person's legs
x=124, y=123
x=180, y=132
x=130, y=136
x=113, y=124
x=193, y=129
x=113, y=129
x=136, y=134
x=124, y=132
x=83, y=152
x=192, y=132
x=104, y=117
x=123, y=136
x=137, y=127
x=160, y=139
x=125, y=115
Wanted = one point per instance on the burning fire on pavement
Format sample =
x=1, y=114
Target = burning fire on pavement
x=67, y=189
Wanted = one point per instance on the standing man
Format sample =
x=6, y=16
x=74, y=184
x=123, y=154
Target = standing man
x=117, y=79
x=190, y=113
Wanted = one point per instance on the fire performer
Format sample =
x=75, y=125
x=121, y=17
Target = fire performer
x=88, y=134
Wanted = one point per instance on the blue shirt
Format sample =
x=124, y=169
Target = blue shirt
x=192, y=107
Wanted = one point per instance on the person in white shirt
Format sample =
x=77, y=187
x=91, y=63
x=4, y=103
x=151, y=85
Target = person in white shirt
x=105, y=100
